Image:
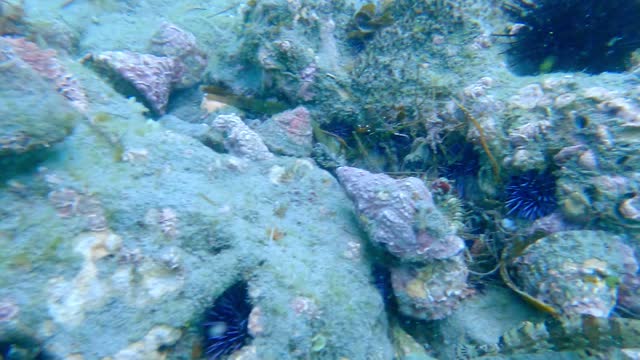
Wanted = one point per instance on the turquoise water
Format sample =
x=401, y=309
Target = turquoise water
x=271, y=179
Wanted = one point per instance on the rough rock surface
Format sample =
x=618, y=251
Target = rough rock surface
x=152, y=76
x=577, y=272
x=45, y=63
x=33, y=115
x=430, y=291
x=174, y=42
x=240, y=140
x=288, y=133
x=400, y=215
x=480, y=321
x=119, y=244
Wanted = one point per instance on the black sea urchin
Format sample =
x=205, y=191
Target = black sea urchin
x=462, y=166
x=226, y=323
x=382, y=282
x=531, y=195
x=593, y=36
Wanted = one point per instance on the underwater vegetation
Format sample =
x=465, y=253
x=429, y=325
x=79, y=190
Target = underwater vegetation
x=531, y=195
x=593, y=36
x=226, y=322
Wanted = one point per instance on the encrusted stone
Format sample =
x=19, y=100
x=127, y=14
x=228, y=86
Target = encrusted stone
x=576, y=272
x=46, y=64
x=630, y=208
x=174, y=42
x=400, y=215
x=240, y=140
x=152, y=76
x=289, y=132
x=152, y=346
x=431, y=291
x=528, y=97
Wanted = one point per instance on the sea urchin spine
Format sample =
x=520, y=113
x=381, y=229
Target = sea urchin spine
x=593, y=36
x=531, y=195
x=226, y=323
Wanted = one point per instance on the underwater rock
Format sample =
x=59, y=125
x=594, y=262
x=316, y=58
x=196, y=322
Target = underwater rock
x=630, y=208
x=172, y=41
x=152, y=346
x=33, y=115
x=400, y=215
x=629, y=294
x=46, y=64
x=481, y=319
x=152, y=76
x=571, y=333
x=240, y=140
x=199, y=131
x=69, y=300
x=289, y=132
x=432, y=291
x=406, y=347
x=325, y=158
x=576, y=272
x=11, y=16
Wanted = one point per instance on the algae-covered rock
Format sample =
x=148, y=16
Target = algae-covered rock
x=119, y=247
x=32, y=114
x=400, y=215
x=479, y=322
x=239, y=139
x=430, y=291
x=406, y=347
x=576, y=272
x=172, y=41
x=289, y=132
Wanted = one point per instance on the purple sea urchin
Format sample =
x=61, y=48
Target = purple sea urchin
x=531, y=195
x=593, y=36
x=226, y=323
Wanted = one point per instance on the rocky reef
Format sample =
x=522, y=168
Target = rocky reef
x=226, y=182
x=163, y=238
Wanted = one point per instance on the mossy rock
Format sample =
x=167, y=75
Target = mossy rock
x=33, y=115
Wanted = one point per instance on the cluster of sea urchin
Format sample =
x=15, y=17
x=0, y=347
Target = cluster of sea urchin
x=531, y=195
x=226, y=323
x=593, y=36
